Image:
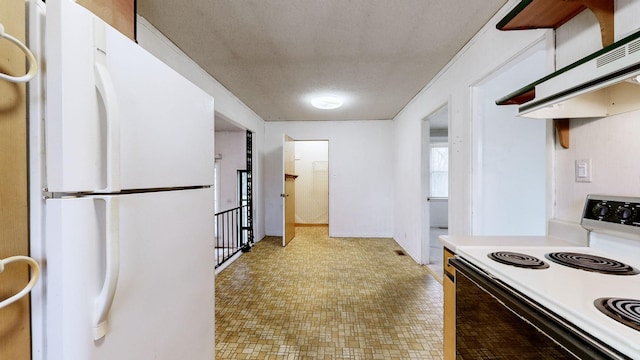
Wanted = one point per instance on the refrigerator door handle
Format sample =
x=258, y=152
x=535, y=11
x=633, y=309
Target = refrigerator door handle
x=112, y=260
x=107, y=92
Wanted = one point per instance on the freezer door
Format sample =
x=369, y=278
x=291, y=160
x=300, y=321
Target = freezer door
x=117, y=117
x=130, y=276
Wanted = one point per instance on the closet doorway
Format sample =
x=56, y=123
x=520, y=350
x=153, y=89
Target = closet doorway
x=312, y=184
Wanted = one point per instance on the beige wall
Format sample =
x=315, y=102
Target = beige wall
x=15, y=340
x=119, y=13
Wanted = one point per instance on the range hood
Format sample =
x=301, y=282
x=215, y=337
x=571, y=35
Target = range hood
x=602, y=84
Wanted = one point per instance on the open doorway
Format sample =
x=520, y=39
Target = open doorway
x=435, y=184
x=312, y=184
x=233, y=205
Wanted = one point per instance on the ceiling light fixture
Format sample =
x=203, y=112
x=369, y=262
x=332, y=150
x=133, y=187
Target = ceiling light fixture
x=326, y=102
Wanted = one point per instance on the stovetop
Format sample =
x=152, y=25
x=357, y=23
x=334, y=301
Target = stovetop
x=567, y=291
x=571, y=292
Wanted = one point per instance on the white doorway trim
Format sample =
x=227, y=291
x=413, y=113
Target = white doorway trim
x=440, y=118
x=502, y=168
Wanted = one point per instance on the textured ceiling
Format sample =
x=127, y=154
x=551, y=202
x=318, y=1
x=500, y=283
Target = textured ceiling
x=274, y=54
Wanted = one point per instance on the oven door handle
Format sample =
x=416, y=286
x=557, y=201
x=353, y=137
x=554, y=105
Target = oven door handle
x=576, y=341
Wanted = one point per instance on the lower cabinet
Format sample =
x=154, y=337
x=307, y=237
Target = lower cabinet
x=449, y=284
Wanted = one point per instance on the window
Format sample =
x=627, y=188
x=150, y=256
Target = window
x=439, y=170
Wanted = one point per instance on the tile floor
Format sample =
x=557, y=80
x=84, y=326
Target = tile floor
x=327, y=298
x=436, y=252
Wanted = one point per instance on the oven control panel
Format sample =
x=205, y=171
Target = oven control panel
x=611, y=212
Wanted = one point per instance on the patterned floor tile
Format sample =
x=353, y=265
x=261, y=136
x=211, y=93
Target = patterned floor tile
x=327, y=298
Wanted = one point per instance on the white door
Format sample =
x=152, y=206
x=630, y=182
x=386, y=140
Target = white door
x=117, y=117
x=288, y=190
x=131, y=276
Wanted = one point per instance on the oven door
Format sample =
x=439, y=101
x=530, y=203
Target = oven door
x=494, y=321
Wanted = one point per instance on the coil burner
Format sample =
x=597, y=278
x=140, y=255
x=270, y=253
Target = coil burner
x=625, y=311
x=592, y=263
x=518, y=259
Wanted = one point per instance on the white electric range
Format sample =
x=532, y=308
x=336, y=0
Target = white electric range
x=568, y=294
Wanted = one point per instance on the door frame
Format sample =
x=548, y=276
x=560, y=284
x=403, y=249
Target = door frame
x=328, y=142
x=426, y=178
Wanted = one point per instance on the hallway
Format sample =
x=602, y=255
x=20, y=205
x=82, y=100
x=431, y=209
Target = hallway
x=327, y=298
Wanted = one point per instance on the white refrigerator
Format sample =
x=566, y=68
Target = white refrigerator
x=127, y=217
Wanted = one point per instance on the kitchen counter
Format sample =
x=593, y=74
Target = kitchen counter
x=451, y=242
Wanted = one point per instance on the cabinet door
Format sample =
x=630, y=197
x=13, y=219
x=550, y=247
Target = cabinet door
x=449, y=308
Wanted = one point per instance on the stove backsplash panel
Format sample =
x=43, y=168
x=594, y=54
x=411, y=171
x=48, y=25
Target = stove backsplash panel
x=613, y=145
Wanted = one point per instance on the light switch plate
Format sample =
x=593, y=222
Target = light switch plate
x=583, y=170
